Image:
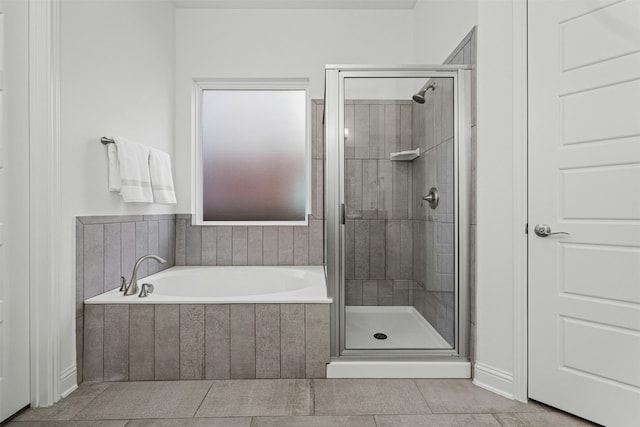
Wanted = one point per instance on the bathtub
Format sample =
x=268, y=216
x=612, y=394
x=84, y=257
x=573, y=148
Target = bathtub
x=228, y=285
x=221, y=322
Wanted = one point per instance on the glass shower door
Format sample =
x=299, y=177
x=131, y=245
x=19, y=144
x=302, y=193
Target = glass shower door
x=399, y=274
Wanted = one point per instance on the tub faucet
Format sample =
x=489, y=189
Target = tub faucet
x=132, y=288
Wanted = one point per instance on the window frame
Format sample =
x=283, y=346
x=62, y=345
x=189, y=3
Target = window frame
x=269, y=84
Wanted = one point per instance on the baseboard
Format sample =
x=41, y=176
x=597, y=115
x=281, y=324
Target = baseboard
x=494, y=380
x=68, y=381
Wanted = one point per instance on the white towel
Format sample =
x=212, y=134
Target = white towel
x=133, y=163
x=161, y=179
x=114, y=168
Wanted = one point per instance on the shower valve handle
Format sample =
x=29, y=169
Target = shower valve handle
x=432, y=198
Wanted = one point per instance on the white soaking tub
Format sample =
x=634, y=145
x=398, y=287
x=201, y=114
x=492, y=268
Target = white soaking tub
x=228, y=285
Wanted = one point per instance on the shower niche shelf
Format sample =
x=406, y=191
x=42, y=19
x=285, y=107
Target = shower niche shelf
x=405, y=156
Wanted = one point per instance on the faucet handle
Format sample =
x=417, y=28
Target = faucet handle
x=123, y=284
x=146, y=289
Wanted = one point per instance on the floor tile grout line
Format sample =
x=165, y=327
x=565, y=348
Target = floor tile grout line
x=74, y=417
x=495, y=417
x=415, y=383
x=313, y=396
x=203, y=399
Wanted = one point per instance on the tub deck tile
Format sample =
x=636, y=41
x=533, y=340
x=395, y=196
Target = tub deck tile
x=193, y=245
x=239, y=244
x=93, y=353
x=191, y=341
x=209, y=244
x=270, y=246
x=316, y=340
x=243, y=341
x=285, y=245
x=167, y=342
x=292, y=341
x=267, y=340
x=116, y=342
x=224, y=254
x=254, y=243
x=141, y=342
x=217, y=351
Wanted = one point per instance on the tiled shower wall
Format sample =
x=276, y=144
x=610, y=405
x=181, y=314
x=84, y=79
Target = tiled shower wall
x=108, y=246
x=433, y=291
x=433, y=262
x=378, y=241
x=397, y=251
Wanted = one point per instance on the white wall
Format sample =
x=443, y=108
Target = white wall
x=14, y=207
x=117, y=77
x=277, y=43
x=439, y=26
x=495, y=198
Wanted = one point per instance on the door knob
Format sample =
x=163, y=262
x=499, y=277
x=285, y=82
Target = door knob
x=543, y=230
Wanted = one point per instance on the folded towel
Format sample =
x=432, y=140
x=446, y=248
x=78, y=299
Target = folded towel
x=114, y=168
x=133, y=162
x=161, y=179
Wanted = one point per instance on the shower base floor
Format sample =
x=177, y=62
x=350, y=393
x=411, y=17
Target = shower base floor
x=404, y=327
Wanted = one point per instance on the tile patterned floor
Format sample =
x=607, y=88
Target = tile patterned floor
x=286, y=402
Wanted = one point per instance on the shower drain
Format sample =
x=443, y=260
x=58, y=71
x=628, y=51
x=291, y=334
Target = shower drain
x=380, y=336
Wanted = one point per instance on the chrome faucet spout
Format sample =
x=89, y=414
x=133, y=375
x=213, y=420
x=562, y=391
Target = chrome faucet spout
x=132, y=289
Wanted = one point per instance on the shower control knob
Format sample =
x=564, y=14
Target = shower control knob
x=432, y=198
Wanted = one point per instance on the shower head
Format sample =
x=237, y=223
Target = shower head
x=419, y=97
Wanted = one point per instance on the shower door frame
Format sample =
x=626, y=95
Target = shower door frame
x=335, y=76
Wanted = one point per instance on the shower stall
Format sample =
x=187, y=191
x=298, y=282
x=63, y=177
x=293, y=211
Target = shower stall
x=396, y=219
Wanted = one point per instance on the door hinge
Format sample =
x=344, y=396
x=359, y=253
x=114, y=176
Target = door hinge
x=526, y=229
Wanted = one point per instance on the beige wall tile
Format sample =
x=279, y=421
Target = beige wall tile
x=141, y=342
x=243, y=341
x=267, y=340
x=217, y=333
x=191, y=341
x=167, y=342
x=292, y=340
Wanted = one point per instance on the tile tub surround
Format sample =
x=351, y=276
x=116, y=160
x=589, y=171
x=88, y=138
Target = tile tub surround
x=142, y=342
x=107, y=247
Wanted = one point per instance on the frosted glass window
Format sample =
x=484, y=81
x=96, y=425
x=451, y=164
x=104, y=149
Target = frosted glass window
x=254, y=155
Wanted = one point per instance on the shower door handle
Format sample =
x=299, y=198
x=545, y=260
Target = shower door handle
x=343, y=215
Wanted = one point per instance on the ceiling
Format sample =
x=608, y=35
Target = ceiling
x=296, y=4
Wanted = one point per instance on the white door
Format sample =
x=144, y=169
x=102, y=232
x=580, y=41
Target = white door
x=584, y=179
x=14, y=208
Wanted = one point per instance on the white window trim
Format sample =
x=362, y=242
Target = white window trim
x=202, y=84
